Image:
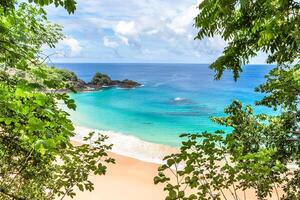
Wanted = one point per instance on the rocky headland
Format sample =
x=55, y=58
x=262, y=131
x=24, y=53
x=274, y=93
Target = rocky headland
x=100, y=81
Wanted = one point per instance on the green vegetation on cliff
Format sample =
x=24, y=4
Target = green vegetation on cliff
x=101, y=79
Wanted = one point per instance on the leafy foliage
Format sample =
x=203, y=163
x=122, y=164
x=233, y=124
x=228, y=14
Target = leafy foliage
x=23, y=32
x=270, y=26
x=283, y=87
x=261, y=152
x=37, y=158
x=69, y=5
x=251, y=156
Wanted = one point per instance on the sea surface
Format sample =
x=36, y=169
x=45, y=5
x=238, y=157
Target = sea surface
x=174, y=99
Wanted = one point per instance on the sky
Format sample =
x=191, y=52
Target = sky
x=136, y=31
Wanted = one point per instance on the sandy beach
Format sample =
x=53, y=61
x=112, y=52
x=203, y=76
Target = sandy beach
x=128, y=179
x=132, y=179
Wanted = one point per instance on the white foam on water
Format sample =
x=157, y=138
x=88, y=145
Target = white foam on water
x=179, y=99
x=130, y=146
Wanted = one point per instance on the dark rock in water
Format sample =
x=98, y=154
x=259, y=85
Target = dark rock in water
x=100, y=80
x=115, y=83
x=79, y=84
x=128, y=84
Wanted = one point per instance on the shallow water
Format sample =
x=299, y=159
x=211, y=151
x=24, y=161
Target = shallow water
x=174, y=99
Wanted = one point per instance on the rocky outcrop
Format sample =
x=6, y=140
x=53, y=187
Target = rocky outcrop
x=100, y=80
x=79, y=84
x=127, y=84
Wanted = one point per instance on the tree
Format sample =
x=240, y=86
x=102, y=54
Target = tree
x=69, y=5
x=256, y=153
x=249, y=27
x=37, y=159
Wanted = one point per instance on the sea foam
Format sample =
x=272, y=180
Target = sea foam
x=128, y=145
x=179, y=99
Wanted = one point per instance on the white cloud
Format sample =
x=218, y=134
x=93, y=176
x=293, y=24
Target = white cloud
x=115, y=41
x=109, y=43
x=73, y=45
x=216, y=44
x=152, y=32
x=123, y=39
x=184, y=20
x=100, y=23
x=126, y=28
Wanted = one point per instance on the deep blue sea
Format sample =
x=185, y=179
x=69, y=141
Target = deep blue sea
x=174, y=99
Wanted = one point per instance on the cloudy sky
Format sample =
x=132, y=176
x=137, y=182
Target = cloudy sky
x=133, y=31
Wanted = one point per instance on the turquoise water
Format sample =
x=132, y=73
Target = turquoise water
x=174, y=99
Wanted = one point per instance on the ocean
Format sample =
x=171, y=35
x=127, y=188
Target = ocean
x=174, y=99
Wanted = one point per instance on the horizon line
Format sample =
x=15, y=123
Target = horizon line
x=148, y=63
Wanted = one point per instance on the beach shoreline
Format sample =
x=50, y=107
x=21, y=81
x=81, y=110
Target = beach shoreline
x=127, y=145
x=131, y=177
